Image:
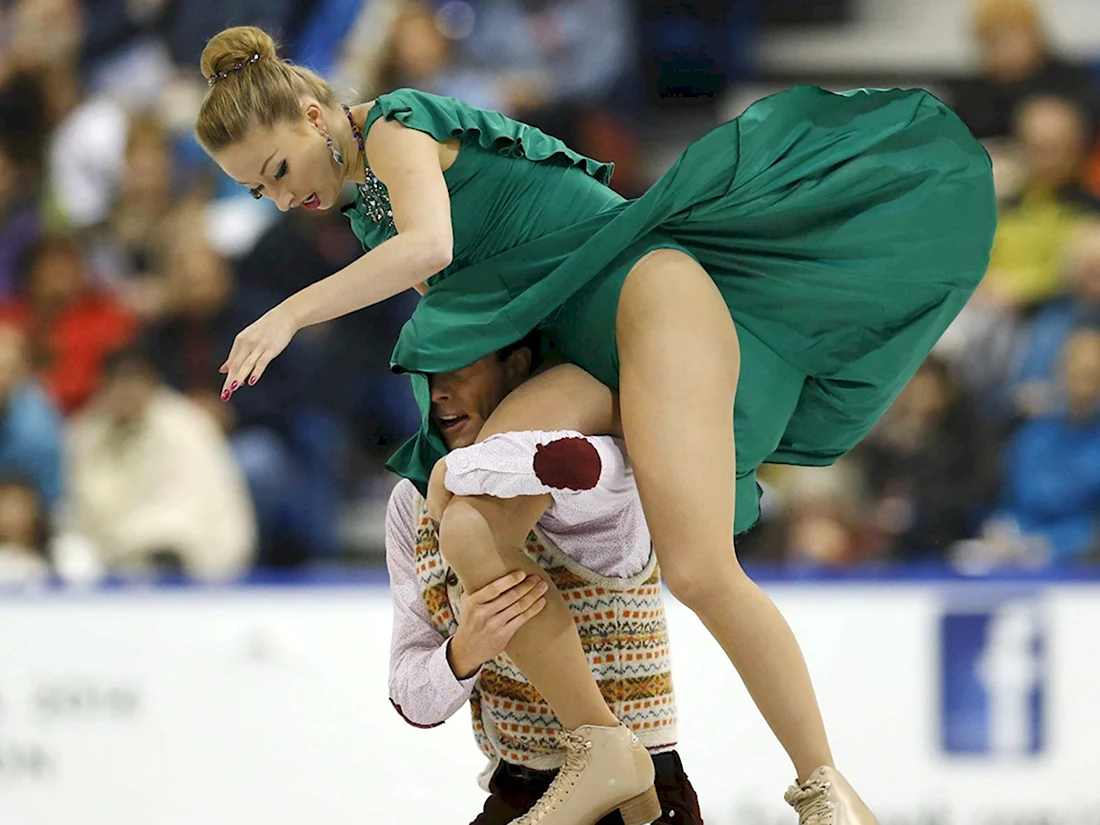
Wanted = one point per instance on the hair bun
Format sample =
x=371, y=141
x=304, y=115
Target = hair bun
x=231, y=47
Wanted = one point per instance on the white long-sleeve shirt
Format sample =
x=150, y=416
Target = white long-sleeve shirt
x=167, y=483
x=601, y=528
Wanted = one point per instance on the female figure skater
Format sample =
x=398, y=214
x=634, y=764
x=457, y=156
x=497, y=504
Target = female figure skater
x=802, y=258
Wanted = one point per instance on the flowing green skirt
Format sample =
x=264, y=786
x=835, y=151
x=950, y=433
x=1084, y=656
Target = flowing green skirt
x=845, y=232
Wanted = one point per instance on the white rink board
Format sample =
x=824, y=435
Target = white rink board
x=269, y=707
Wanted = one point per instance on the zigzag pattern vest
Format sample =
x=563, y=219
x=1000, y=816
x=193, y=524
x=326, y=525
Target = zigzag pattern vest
x=623, y=631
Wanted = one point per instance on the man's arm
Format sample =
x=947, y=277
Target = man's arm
x=423, y=688
x=587, y=477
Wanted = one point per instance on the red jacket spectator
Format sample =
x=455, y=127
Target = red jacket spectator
x=70, y=326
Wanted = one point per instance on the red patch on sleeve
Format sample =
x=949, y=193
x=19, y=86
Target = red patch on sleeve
x=568, y=464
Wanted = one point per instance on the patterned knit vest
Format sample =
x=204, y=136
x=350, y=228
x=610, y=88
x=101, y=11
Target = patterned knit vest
x=622, y=628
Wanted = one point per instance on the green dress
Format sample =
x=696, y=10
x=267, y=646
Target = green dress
x=845, y=231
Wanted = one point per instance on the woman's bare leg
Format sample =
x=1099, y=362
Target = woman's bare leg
x=482, y=537
x=679, y=363
x=563, y=397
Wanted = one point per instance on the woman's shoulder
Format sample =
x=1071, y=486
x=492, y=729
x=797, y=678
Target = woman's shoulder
x=417, y=107
x=446, y=118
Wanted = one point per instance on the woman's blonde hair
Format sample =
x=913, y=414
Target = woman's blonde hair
x=250, y=85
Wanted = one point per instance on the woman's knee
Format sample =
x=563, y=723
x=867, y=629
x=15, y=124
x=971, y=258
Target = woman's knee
x=696, y=582
x=465, y=536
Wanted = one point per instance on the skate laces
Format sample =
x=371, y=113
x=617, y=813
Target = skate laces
x=811, y=803
x=576, y=760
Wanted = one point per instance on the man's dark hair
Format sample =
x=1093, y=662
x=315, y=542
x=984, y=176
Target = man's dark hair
x=532, y=341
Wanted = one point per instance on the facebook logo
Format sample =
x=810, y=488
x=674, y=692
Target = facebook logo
x=993, y=679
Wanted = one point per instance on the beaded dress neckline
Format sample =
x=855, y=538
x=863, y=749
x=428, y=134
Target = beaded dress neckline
x=375, y=196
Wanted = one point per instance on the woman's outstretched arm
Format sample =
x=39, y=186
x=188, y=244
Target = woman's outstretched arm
x=408, y=162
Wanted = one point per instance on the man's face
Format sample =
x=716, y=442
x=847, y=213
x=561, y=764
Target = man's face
x=1054, y=137
x=199, y=279
x=463, y=400
x=1081, y=367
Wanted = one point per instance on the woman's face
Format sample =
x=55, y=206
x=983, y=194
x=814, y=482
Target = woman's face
x=1011, y=51
x=56, y=280
x=148, y=169
x=289, y=163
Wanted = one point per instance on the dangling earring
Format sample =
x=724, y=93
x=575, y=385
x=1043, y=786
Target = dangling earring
x=336, y=156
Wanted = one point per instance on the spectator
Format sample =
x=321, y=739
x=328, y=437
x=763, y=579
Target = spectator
x=31, y=550
x=71, y=326
x=824, y=516
x=85, y=146
x=359, y=387
x=153, y=481
x=1035, y=387
x=1033, y=228
x=30, y=426
x=419, y=55
x=573, y=52
x=1052, y=468
x=140, y=216
x=565, y=67
x=288, y=446
x=1025, y=268
x=930, y=465
x=1017, y=62
x=356, y=64
x=22, y=137
x=24, y=533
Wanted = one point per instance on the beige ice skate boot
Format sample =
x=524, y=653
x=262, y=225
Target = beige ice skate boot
x=826, y=798
x=606, y=769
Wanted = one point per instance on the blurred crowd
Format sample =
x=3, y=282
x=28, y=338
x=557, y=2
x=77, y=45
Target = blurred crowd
x=990, y=457
x=128, y=263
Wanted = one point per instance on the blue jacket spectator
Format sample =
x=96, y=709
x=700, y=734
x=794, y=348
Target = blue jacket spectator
x=30, y=425
x=1035, y=383
x=1052, y=464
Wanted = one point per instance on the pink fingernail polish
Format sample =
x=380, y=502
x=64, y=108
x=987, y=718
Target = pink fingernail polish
x=252, y=380
x=234, y=386
x=225, y=395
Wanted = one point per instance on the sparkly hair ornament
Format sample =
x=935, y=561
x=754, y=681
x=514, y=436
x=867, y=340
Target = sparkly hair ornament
x=214, y=78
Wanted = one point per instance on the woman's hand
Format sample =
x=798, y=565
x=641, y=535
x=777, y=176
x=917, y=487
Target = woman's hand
x=254, y=348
